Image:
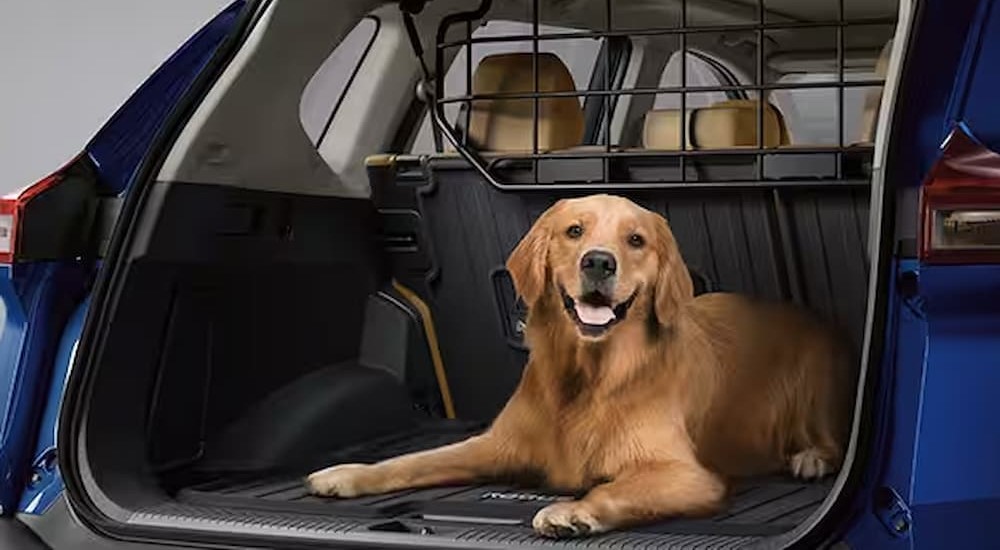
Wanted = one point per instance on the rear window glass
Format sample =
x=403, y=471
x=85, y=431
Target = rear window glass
x=579, y=55
x=811, y=113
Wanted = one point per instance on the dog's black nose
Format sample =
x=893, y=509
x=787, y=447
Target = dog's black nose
x=597, y=265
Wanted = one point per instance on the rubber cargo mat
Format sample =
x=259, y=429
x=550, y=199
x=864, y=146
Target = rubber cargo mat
x=757, y=507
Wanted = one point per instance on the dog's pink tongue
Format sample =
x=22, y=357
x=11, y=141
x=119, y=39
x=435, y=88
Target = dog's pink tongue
x=594, y=315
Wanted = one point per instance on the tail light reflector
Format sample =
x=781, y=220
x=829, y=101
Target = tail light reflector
x=960, y=204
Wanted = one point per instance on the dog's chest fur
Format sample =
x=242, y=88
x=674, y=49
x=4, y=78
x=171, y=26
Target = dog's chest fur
x=589, y=447
x=585, y=412
x=592, y=428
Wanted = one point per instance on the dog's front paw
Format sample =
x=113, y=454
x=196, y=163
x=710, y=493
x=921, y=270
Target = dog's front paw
x=566, y=519
x=343, y=480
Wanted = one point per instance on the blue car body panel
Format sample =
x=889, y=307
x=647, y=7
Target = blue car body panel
x=872, y=525
x=37, y=298
x=935, y=446
x=45, y=483
x=956, y=482
x=955, y=493
x=45, y=301
x=957, y=452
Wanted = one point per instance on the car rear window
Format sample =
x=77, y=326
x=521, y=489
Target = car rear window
x=808, y=112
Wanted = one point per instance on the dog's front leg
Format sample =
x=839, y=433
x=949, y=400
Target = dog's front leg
x=475, y=458
x=640, y=494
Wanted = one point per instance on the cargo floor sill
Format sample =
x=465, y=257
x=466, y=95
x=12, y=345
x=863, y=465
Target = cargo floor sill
x=265, y=528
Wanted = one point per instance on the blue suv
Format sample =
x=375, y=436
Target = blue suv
x=286, y=250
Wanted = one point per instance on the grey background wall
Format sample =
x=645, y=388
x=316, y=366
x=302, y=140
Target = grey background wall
x=65, y=66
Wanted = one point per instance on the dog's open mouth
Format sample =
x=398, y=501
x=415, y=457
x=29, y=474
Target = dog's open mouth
x=594, y=313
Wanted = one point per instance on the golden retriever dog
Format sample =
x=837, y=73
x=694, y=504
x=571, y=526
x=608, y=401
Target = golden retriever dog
x=637, y=392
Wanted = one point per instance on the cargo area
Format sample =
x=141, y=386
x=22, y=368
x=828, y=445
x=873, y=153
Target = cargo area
x=288, y=356
x=264, y=326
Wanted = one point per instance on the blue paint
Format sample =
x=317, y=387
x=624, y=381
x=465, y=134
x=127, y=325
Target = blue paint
x=906, y=380
x=965, y=70
x=45, y=483
x=955, y=480
x=927, y=86
x=38, y=298
x=936, y=446
x=958, y=525
x=11, y=344
x=959, y=446
x=978, y=105
x=894, y=418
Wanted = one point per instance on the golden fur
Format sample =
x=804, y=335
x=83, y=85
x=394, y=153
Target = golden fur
x=653, y=416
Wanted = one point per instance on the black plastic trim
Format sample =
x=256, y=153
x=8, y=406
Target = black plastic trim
x=59, y=223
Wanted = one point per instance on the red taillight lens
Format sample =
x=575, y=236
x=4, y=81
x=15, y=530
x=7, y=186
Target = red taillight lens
x=6, y=237
x=12, y=208
x=960, y=204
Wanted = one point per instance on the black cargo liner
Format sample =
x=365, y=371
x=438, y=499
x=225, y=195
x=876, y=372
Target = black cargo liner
x=756, y=508
x=798, y=240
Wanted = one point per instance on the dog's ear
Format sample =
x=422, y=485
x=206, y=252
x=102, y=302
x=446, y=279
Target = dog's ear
x=527, y=263
x=673, y=283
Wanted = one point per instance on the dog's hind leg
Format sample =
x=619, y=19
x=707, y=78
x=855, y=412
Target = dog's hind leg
x=470, y=460
x=821, y=408
x=817, y=450
x=812, y=463
x=816, y=447
x=641, y=494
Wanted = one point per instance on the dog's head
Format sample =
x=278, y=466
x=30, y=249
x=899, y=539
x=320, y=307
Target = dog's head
x=608, y=262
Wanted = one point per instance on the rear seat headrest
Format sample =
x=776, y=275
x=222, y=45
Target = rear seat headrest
x=505, y=125
x=730, y=123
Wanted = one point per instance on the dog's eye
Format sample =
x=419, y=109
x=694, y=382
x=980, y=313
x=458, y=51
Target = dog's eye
x=574, y=231
x=636, y=240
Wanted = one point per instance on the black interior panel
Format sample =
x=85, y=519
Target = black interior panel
x=335, y=406
x=231, y=295
x=394, y=339
x=803, y=244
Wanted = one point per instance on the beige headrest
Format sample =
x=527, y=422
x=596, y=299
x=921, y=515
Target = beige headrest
x=506, y=124
x=874, y=96
x=731, y=123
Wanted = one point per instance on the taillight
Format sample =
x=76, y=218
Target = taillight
x=6, y=237
x=12, y=208
x=960, y=204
